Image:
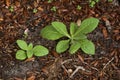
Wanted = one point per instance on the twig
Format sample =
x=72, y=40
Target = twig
x=108, y=63
x=66, y=61
x=90, y=66
x=76, y=70
x=64, y=66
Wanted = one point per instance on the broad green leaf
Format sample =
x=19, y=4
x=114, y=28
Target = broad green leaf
x=87, y=26
x=61, y=28
x=22, y=44
x=79, y=36
x=50, y=33
x=88, y=47
x=74, y=47
x=20, y=55
x=73, y=28
x=29, y=53
x=40, y=50
x=62, y=46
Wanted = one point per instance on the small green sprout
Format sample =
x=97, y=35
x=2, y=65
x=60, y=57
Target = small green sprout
x=49, y=1
x=93, y=2
x=79, y=7
x=110, y=0
x=53, y=9
x=11, y=8
x=35, y=10
x=76, y=38
x=27, y=51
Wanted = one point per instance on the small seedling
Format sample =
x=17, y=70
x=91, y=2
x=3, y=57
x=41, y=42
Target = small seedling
x=27, y=51
x=76, y=39
x=79, y=7
x=11, y=8
x=110, y=0
x=49, y=1
x=93, y=2
x=53, y=9
x=35, y=10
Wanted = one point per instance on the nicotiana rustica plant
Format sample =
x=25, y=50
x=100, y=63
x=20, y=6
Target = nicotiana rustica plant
x=27, y=50
x=76, y=38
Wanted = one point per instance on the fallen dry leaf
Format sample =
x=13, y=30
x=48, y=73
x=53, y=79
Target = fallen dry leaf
x=105, y=34
x=78, y=22
x=31, y=77
x=40, y=8
x=8, y=3
x=30, y=59
x=81, y=58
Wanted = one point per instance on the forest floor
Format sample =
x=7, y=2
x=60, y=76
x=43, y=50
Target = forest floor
x=18, y=15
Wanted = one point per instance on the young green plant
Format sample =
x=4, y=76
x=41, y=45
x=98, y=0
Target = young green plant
x=79, y=7
x=76, y=38
x=93, y=2
x=27, y=50
x=53, y=9
x=35, y=10
x=11, y=8
x=50, y=1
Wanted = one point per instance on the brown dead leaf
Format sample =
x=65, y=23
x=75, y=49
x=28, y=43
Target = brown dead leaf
x=30, y=59
x=35, y=4
x=78, y=22
x=8, y=2
x=92, y=12
x=116, y=31
x=45, y=70
x=17, y=3
x=55, y=54
x=105, y=34
x=1, y=17
x=118, y=38
x=96, y=15
x=40, y=8
x=81, y=58
x=95, y=63
x=104, y=18
x=31, y=77
x=17, y=78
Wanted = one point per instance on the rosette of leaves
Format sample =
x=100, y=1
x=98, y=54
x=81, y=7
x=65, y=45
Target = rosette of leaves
x=27, y=50
x=76, y=36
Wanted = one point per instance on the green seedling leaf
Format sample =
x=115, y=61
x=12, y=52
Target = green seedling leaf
x=40, y=50
x=22, y=44
x=29, y=53
x=73, y=28
x=11, y=8
x=49, y=1
x=79, y=37
x=92, y=3
x=79, y=7
x=88, y=47
x=62, y=46
x=53, y=9
x=87, y=26
x=61, y=28
x=74, y=47
x=30, y=46
x=50, y=33
x=20, y=55
x=35, y=10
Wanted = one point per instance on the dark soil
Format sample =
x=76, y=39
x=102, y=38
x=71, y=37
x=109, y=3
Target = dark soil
x=104, y=65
